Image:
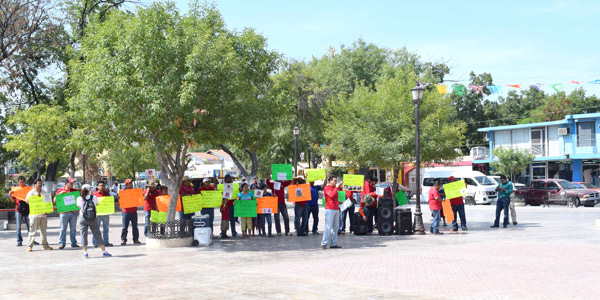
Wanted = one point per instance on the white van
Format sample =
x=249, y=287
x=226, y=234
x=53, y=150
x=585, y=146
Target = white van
x=481, y=189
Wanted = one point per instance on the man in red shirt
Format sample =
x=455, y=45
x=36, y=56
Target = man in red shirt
x=209, y=210
x=19, y=217
x=332, y=213
x=186, y=189
x=370, y=209
x=68, y=218
x=435, y=205
x=278, y=189
x=227, y=210
x=150, y=194
x=101, y=191
x=130, y=216
x=458, y=205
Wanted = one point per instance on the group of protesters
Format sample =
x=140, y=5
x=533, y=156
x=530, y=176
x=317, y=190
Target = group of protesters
x=86, y=218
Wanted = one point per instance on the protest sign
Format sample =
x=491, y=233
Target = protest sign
x=314, y=174
x=162, y=203
x=455, y=189
x=401, y=197
x=67, y=202
x=192, y=203
x=266, y=205
x=281, y=172
x=353, y=183
x=211, y=199
x=131, y=198
x=106, y=206
x=245, y=208
x=299, y=193
x=39, y=206
x=20, y=192
x=232, y=190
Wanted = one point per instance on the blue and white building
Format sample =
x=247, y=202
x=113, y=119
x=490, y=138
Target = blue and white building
x=565, y=149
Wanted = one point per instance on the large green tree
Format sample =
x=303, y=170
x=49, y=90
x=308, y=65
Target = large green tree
x=169, y=79
x=510, y=161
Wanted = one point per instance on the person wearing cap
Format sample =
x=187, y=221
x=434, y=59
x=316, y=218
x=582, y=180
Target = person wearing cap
x=93, y=225
x=130, y=216
x=67, y=219
x=278, y=188
x=186, y=189
x=300, y=214
x=37, y=221
x=150, y=194
x=210, y=211
x=458, y=205
x=101, y=191
x=254, y=184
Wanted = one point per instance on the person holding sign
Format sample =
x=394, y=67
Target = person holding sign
x=278, y=188
x=227, y=210
x=458, y=205
x=20, y=217
x=150, y=194
x=130, y=216
x=186, y=189
x=300, y=212
x=265, y=216
x=105, y=219
x=369, y=207
x=39, y=221
x=210, y=211
x=313, y=207
x=246, y=221
x=435, y=205
x=332, y=213
x=67, y=219
x=87, y=220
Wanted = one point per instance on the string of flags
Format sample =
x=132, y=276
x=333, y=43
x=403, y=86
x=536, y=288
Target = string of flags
x=461, y=90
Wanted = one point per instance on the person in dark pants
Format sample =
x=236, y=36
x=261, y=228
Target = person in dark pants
x=20, y=218
x=300, y=214
x=505, y=188
x=350, y=213
x=458, y=206
x=230, y=207
x=313, y=207
x=371, y=207
x=278, y=188
x=130, y=216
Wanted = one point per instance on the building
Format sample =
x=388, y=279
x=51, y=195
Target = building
x=211, y=163
x=564, y=149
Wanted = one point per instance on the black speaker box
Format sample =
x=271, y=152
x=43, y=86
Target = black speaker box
x=385, y=221
x=360, y=226
x=403, y=221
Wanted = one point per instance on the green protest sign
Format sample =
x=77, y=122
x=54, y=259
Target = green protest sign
x=314, y=174
x=455, y=189
x=353, y=183
x=191, y=204
x=281, y=172
x=341, y=196
x=67, y=202
x=211, y=199
x=106, y=206
x=38, y=205
x=245, y=208
x=401, y=198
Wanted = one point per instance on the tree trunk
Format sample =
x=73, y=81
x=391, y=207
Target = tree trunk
x=52, y=170
x=72, y=164
x=236, y=161
x=255, y=164
x=395, y=169
x=172, y=169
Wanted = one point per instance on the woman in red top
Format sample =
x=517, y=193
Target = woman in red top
x=332, y=213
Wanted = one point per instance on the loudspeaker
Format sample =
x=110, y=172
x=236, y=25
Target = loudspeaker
x=403, y=221
x=385, y=221
x=360, y=226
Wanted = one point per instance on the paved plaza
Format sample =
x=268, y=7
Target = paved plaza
x=553, y=253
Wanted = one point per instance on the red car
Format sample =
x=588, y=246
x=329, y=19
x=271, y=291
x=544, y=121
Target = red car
x=546, y=191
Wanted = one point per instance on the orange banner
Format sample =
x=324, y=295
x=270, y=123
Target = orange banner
x=299, y=193
x=447, y=207
x=20, y=192
x=162, y=203
x=266, y=203
x=131, y=198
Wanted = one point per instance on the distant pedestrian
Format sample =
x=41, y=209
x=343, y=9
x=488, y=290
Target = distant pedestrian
x=150, y=194
x=37, y=221
x=435, y=205
x=101, y=191
x=505, y=188
x=313, y=207
x=458, y=206
x=21, y=215
x=87, y=220
x=332, y=213
x=130, y=216
x=67, y=219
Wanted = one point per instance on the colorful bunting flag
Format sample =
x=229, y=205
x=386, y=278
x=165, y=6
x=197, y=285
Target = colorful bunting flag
x=536, y=86
x=459, y=89
x=575, y=82
x=442, y=89
x=515, y=85
x=597, y=81
x=494, y=89
x=556, y=86
x=478, y=89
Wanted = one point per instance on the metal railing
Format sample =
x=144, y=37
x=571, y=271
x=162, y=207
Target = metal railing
x=171, y=230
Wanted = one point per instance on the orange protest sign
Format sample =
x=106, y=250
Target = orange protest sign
x=131, y=198
x=266, y=205
x=447, y=207
x=299, y=193
x=20, y=192
x=162, y=203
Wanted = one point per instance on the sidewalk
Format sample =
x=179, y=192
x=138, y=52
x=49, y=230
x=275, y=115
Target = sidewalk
x=553, y=254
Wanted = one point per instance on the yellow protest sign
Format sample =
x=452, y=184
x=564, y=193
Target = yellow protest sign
x=314, y=174
x=353, y=183
x=39, y=206
x=191, y=204
x=455, y=189
x=233, y=188
x=211, y=199
x=106, y=206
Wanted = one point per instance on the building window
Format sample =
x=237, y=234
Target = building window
x=586, y=134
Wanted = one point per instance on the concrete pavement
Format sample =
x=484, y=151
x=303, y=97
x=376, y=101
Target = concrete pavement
x=553, y=253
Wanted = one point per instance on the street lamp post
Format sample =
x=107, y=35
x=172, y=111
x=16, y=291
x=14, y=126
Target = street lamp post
x=83, y=161
x=296, y=133
x=417, y=95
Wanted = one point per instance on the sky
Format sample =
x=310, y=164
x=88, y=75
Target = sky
x=524, y=42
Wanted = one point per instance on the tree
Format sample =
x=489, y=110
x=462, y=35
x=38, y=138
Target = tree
x=510, y=161
x=168, y=79
x=124, y=160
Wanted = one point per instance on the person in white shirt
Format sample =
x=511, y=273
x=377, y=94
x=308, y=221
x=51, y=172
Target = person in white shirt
x=37, y=221
x=92, y=224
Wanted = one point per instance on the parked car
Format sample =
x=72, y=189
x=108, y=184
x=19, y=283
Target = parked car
x=546, y=191
x=585, y=185
x=385, y=185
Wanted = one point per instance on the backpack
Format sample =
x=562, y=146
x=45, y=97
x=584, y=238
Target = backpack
x=89, y=209
x=23, y=208
x=368, y=200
